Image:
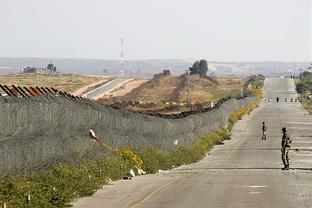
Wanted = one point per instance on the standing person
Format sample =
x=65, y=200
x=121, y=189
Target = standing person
x=264, y=128
x=277, y=99
x=286, y=143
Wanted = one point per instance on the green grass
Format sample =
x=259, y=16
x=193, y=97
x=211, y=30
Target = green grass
x=156, y=159
x=58, y=186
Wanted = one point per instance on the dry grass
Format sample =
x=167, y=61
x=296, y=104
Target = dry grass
x=64, y=82
x=161, y=89
x=170, y=88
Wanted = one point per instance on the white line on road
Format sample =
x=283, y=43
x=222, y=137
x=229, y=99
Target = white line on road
x=309, y=142
x=295, y=127
x=293, y=122
x=256, y=186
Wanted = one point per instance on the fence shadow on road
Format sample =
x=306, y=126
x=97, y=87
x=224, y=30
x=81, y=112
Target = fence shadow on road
x=264, y=149
x=256, y=168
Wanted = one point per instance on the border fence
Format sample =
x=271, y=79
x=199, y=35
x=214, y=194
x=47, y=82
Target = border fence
x=40, y=126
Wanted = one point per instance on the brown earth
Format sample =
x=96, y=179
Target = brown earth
x=63, y=82
x=160, y=88
x=170, y=88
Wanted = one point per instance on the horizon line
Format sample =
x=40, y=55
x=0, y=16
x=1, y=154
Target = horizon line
x=146, y=59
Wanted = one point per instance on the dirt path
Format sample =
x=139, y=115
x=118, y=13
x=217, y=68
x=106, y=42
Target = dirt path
x=82, y=90
x=128, y=87
x=106, y=88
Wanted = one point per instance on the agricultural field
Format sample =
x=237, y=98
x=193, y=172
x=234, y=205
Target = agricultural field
x=64, y=82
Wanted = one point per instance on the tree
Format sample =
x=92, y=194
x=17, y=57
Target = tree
x=302, y=87
x=200, y=67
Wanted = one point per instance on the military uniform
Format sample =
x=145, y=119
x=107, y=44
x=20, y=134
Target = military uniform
x=286, y=143
x=264, y=128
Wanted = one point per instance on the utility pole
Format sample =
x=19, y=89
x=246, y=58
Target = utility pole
x=121, y=63
x=187, y=72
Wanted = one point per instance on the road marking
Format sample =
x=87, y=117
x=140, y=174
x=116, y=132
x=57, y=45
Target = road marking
x=155, y=191
x=308, y=142
x=303, y=154
x=298, y=122
x=293, y=127
x=256, y=186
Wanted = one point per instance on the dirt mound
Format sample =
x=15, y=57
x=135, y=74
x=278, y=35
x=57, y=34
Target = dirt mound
x=161, y=88
x=164, y=87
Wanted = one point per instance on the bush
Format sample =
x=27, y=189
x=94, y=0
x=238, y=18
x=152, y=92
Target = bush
x=301, y=87
x=58, y=186
x=156, y=159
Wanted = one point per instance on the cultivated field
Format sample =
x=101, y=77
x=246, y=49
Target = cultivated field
x=63, y=82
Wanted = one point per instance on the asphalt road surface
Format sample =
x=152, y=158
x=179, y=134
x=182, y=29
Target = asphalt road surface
x=244, y=172
x=106, y=88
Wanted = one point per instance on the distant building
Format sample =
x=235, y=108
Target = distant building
x=50, y=69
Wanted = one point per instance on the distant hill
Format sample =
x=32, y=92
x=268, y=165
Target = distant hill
x=147, y=68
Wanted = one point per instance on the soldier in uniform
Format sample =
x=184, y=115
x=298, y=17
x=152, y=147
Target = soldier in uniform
x=264, y=128
x=286, y=143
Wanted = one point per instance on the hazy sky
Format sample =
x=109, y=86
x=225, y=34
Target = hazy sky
x=222, y=30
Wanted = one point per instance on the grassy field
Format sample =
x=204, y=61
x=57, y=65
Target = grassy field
x=63, y=82
x=202, y=90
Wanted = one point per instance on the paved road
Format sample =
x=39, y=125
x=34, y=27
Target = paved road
x=106, y=88
x=245, y=172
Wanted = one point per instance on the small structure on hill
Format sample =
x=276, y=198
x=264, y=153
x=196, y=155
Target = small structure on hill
x=166, y=72
x=50, y=69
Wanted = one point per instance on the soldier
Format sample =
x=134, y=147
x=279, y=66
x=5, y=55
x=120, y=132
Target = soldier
x=264, y=128
x=286, y=143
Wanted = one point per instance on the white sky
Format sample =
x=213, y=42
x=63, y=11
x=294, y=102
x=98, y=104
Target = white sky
x=224, y=30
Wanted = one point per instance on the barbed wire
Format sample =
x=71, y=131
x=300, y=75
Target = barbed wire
x=48, y=126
